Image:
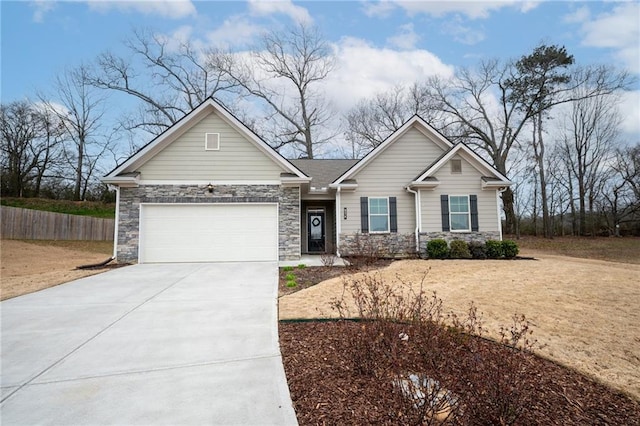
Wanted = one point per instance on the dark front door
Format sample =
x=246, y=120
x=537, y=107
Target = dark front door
x=315, y=228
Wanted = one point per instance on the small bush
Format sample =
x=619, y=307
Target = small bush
x=478, y=250
x=460, y=250
x=454, y=377
x=302, y=266
x=292, y=283
x=437, y=249
x=494, y=249
x=290, y=277
x=328, y=259
x=287, y=268
x=363, y=252
x=509, y=249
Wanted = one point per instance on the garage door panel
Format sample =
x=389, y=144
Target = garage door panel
x=208, y=233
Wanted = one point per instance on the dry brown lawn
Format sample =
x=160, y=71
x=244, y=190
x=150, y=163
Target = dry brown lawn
x=29, y=266
x=586, y=313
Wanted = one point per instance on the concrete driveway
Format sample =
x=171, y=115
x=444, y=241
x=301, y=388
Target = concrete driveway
x=179, y=344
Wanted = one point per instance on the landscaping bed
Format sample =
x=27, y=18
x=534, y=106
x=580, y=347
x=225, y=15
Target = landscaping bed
x=327, y=386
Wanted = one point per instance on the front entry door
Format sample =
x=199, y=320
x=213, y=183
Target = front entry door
x=315, y=228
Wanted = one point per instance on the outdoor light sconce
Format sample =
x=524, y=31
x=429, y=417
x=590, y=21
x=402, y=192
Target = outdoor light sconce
x=345, y=213
x=210, y=188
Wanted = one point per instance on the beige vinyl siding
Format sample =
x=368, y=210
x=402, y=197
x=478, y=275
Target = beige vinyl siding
x=186, y=159
x=387, y=176
x=467, y=183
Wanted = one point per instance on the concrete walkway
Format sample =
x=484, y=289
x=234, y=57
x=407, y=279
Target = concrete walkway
x=312, y=260
x=178, y=344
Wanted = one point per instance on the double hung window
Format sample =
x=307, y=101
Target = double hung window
x=459, y=213
x=378, y=215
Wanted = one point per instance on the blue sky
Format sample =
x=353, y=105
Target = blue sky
x=378, y=44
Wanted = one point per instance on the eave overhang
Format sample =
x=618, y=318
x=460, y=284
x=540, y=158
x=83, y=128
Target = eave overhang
x=491, y=183
x=128, y=180
x=430, y=183
x=346, y=185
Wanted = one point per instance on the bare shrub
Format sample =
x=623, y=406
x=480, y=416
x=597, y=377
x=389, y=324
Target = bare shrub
x=458, y=379
x=363, y=252
x=328, y=259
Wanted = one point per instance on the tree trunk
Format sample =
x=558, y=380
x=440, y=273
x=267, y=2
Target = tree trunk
x=538, y=149
x=78, y=183
x=509, y=211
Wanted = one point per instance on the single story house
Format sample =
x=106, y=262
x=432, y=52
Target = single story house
x=209, y=189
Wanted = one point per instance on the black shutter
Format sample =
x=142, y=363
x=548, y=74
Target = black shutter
x=393, y=215
x=473, y=201
x=364, y=215
x=444, y=208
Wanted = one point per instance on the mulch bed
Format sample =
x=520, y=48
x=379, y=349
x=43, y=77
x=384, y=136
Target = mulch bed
x=329, y=386
x=308, y=276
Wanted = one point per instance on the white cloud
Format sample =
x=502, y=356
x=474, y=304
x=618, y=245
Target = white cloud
x=41, y=8
x=363, y=70
x=178, y=37
x=167, y=8
x=579, y=15
x=234, y=31
x=405, y=39
x=618, y=30
x=378, y=9
x=286, y=7
x=462, y=33
x=630, y=111
x=474, y=9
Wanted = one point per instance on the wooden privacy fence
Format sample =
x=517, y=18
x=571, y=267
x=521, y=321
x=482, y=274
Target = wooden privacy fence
x=40, y=225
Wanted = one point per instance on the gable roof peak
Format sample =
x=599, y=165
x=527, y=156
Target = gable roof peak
x=165, y=138
x=415, y=121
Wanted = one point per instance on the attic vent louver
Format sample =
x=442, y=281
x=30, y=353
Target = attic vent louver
x=456, y=166
x=211, y=141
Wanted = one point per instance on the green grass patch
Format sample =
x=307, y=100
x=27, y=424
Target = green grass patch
x=80, y=208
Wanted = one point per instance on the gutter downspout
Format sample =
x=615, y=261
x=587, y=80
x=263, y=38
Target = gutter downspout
x=338, y=219
x=498, y=192
x=115, y=225
x=417, y=208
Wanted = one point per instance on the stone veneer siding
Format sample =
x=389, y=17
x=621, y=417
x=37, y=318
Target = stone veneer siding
x=480, y=237
x=390, y=245
x=288, y=200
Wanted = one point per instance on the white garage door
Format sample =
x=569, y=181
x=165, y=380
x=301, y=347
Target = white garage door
x=208, y=232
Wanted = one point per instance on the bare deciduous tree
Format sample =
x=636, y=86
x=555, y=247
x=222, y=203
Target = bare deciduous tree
x=589, y=140
x=168, y=79
x=621, y=197
x=80, y=110
x=373, y=119
x=283, y=74
x=30, y=142
x=492, y=112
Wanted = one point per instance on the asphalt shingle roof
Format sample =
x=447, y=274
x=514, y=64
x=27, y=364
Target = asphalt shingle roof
x=323, y=171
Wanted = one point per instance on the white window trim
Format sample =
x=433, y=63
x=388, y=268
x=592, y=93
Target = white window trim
x=468, y=214
x=217, y=146
x=377, y=214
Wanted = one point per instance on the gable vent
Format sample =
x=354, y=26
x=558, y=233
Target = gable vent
x=211, y=141
x=456, y=166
